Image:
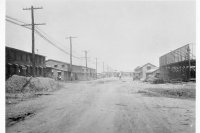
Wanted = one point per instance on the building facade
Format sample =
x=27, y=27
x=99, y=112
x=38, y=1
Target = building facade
x=153, y=73
x=179, y=64
x=141, y=72
x=19, y=62
x=136, y=73
x=61, y=70
x=57, y=69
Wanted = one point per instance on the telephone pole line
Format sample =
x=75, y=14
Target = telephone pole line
x=86, y=61
x=103, y=70
x=96, y=68
x=103, y=67
x=189, y=62
x=33, y=35
x=70, y=69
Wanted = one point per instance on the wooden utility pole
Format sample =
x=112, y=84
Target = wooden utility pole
x=103, y=67
x=70, y=69
x=86, y=61
x=107, y=71
x=33, y=36
x=103, y=71
x=189, y=63
x=96, y=68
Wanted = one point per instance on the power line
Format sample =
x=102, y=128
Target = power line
x=29, y=28
x=43, y=35
x=17, y=24
x=15, y=19
x=38, y=31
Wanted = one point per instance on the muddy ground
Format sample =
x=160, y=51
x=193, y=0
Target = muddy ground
x=109, y=106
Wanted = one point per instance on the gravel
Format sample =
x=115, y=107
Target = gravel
x=19, y=88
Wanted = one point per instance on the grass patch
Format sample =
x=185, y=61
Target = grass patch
x=176, y=93
x=148, y=93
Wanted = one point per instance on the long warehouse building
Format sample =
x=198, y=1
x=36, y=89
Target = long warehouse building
x=179, y=64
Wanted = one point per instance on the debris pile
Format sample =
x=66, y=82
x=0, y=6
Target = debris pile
x=19, y=88
x=21, y=84
x=16, y=83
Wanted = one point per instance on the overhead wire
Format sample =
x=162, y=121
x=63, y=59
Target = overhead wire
x=43, y=35
x=38, y=31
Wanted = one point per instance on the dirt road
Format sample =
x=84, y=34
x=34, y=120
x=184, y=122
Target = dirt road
x=112, y=106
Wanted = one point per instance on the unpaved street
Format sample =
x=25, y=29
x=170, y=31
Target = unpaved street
x=112, y=106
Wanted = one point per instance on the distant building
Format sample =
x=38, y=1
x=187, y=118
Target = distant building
x=127, y=74
x=141, y=72
x=19, y=62
x=57, y=69
x=153, y=72
x=60, y=70
x=136, y=73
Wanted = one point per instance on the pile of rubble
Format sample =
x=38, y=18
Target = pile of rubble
x=19, y=88
x=16, y=83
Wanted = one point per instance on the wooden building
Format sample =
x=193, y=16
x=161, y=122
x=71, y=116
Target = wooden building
x=141, y=72
x=179, y=64
x=60, y=70
x=19, y=62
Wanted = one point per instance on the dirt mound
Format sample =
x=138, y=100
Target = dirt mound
x=19, y=88
x=20, y=84
x=16, y=83
x=42, y=84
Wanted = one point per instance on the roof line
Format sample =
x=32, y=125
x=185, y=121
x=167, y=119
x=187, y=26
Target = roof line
x=23, y=51
x=66, y=63
x=146, y=64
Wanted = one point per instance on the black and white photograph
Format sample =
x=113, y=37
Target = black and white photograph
x=99, y=66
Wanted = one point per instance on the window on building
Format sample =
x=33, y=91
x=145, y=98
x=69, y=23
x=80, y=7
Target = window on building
x=63, y=65
x=148, y=67
x=27, y=57
x=18, y=56
x=55, y=65
x=41, y=60
x=24, y=57
x=38, y=59
x=21, y=56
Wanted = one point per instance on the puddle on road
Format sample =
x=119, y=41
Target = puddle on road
x=40, y=94
x=13, y=120
x=120, y=104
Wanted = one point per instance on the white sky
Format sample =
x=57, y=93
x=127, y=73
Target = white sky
x=123, y=34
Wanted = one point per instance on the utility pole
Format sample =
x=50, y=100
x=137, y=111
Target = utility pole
x=33, y=36
x=107, y=71
x=86, y=61
x=189, y=63
x=103, y=69
x=70, y=69
x=96, y=68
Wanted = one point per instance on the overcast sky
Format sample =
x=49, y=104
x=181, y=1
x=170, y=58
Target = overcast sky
x=123, y=34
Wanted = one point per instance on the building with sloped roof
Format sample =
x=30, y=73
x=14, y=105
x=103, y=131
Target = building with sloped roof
x=141, y=72
x=19, y=62
x=61, y=70
x=179, y=64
